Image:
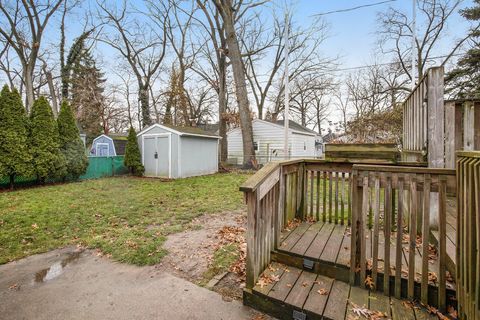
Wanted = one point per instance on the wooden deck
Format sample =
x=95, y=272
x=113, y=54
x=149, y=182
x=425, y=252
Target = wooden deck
x=328, y=246
x=451, y=240
x=291, y=293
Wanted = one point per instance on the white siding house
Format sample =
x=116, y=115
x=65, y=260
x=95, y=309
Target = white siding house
x=268, y=138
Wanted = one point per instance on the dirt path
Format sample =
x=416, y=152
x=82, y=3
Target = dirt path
x=190, y=252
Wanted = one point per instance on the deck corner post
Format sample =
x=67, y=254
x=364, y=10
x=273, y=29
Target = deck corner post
x=252, y=270
x=356, y=206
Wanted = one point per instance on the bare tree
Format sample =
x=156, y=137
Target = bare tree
x=214, y=51
x=396, y=32
x=142, y=46
x=25, y=23
x=305, y=57
x=230, y=12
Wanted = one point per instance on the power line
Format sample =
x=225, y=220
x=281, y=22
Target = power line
x=353, y=8
x=390, y=63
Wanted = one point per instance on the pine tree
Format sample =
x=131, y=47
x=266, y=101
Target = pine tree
x=71, y=145
x=133, y=160
x=14, y=152
x=87, y=98
x=48, y=161
x=464, y=81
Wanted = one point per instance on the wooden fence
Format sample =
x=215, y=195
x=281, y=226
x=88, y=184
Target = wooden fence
x=387, y=153
x=423, y=120
x=434, y=129
x=468, y=235
x=283, y=191
x=394, y=202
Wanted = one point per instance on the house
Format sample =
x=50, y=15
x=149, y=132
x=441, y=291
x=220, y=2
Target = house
x=268, y=139
x=109, y=145
x=178, y=152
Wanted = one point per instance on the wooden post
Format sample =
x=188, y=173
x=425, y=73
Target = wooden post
x=436, y=130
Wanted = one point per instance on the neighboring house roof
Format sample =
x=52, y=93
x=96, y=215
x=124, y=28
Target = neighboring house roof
x=296, y=126
x=329, y=137
x=293, y=126
x=182, y=131
x=210, y=127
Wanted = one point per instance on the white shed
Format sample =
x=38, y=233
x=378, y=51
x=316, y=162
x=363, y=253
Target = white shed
x=178, y=152
x=268, y=139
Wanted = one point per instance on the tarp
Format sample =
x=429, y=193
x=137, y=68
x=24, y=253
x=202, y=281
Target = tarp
x=98, y=167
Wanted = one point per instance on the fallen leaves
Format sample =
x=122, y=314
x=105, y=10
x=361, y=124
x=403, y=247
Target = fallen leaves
x=369, y=282
x=14, y=286
x=266, y=279
x=366, y=313
x=322, y=292
x=34, y=226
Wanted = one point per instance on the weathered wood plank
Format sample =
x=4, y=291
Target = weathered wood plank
x=294, y=236
x=318, y=244
x=318, y=296
x=425, y=240
x=358, y=299
x=376, y=229
x=337, y=301
x=306, y=239
x=398, y=243
x=380, y=302
x=412, y=238
x=330, y=252
x=282, y=288
x=299, y=293
x=401, y=310
x=274, y=270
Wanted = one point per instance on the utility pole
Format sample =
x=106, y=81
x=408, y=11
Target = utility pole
x=414, y=35
x=287, y=90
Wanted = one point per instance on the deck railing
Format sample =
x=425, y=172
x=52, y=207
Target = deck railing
x=468, y=235
x=377, y=201
x=284, y=191
x=393, y=204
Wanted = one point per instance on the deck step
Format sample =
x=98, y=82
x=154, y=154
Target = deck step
x=287, y=292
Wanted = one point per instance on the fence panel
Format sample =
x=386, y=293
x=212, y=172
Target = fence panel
x=392, y=205
x=98, y=167
x=468, y=235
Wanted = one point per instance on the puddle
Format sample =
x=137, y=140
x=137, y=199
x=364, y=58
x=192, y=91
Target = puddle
x=56, y=269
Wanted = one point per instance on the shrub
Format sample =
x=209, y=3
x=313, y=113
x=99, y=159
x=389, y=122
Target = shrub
x=133, y=159
x=15, y=156
x=47, y=160
x=71, y=146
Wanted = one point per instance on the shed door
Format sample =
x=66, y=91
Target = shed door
x=103, y=149
x=156, y=156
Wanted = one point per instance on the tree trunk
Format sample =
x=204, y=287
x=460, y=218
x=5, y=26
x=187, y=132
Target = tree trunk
x=12, y=181
x=144, y=104
x=222, y=109
x=51, y=88
x=240, y=85
x=27, y=75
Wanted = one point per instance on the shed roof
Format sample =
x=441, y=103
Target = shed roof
x=182, y=131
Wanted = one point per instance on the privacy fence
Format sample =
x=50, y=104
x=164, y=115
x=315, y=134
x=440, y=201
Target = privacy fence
x=98, y=167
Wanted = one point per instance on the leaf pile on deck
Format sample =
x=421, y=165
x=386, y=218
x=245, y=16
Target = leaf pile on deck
x=292, y=224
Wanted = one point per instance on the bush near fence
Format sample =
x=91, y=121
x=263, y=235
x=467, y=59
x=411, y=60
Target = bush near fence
x=98, y=167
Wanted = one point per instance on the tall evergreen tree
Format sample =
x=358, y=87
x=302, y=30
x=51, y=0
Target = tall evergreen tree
x=133, y=159
x=14, y=153
x=48, y=161
x=71, y=145
x=464, y=81
x=87, y=98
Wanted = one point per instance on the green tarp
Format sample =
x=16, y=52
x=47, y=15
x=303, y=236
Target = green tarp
x=98, y=167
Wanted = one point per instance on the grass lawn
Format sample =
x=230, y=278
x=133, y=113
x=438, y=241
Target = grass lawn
x=125, y=217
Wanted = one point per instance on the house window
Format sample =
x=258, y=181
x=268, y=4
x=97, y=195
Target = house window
x=304, y=146
x=255, y=145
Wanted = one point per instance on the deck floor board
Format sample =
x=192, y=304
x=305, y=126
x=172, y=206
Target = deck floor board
x=319, y=296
